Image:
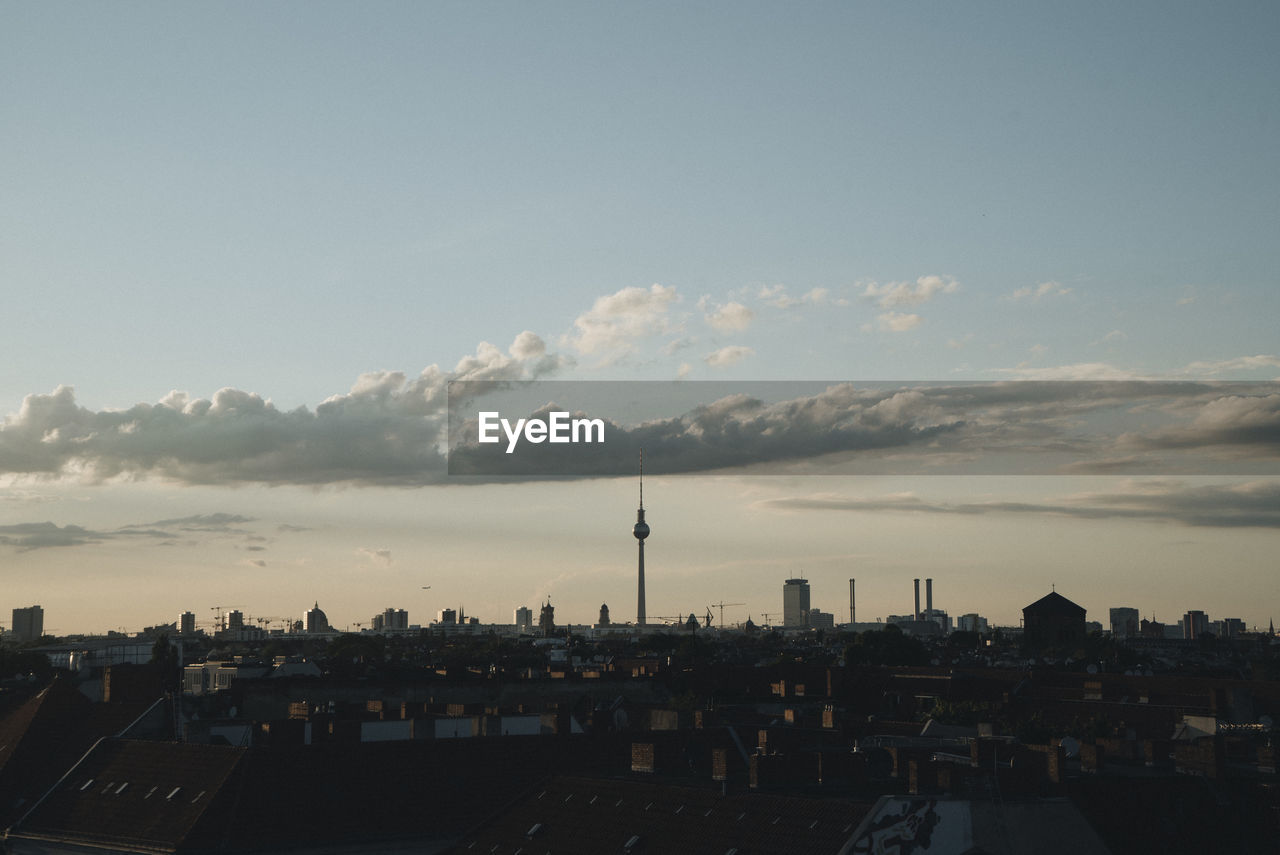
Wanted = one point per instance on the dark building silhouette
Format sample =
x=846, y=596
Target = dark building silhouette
x=1052, y=621
x=547, y=620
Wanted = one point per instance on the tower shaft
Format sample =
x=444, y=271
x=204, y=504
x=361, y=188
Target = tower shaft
x=640, y=616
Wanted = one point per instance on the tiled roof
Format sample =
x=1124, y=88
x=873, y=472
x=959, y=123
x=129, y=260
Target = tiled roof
x=568, y=815
x=43, y=737
x=139, y=796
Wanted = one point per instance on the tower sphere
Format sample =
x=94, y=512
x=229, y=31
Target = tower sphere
x=641, y=530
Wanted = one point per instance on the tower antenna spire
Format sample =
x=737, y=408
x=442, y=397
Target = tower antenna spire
x=641, y=531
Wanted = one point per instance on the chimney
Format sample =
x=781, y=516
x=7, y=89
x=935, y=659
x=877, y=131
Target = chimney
x=917, y=611
x=852, y=618
x=928, y=599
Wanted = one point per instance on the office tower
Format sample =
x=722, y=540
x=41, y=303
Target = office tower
x=795, y=603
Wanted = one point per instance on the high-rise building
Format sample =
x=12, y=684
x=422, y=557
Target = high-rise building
x=1231, y=628
x=972, y=622
x=523, y=619
x=1124, y=622
x=1195, y=624
x=795, y=603
x=28, y=623
x=604, y=615
x=235, y=620
x=187, y=623
x=447, y=616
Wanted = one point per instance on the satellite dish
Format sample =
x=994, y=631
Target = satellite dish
x=1092, y=669
x=1071, y=746
x=232, y=712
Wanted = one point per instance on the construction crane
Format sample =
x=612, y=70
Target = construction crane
x=765, y=615
x=221, y=620
x=720, y=605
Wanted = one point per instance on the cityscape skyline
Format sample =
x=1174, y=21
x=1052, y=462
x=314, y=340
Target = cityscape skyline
x=241, y=270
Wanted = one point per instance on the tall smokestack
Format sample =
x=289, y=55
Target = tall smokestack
x=851, y=603
x=917, y=611
x=928, y=599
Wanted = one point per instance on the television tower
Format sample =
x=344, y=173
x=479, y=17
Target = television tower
x=641, y=531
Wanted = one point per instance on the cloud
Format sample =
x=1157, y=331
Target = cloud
x=1074, y=371
x=897, y=322
x=1039, y=292
x=389, y=431
x=896, y=294
x=993, y=428
x=378, y=556
x=778, y=297
x=1250, y=505
x=41, y=535
x=731, y=317
x=614, y=322
x=676, y=345
x=684, y=371
x=1240, y=364
x=386, y=430
x=28, y=536
x=1247, y=424
x=200, y=522
x=727, y=356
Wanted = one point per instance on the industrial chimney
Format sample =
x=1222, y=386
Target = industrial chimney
x=928, y=599
x=917, y=611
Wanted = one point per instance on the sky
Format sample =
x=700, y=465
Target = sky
x=244, y=249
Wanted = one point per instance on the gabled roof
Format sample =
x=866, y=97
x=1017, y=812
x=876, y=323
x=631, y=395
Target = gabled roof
x=1053, y=604
x=41, y=738
x=138, y=796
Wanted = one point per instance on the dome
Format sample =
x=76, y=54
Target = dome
x=641, y=530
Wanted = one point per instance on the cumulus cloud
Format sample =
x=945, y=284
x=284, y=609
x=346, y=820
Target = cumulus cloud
x=893, y=295
x=731, y=317
x=992, y=428
x=897, y=321
x=779, y=297
x=1255, y=504
x=726, y=356
x=1039, y=292
x=1247, y=424
x=616, y=321
x=386, y=430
